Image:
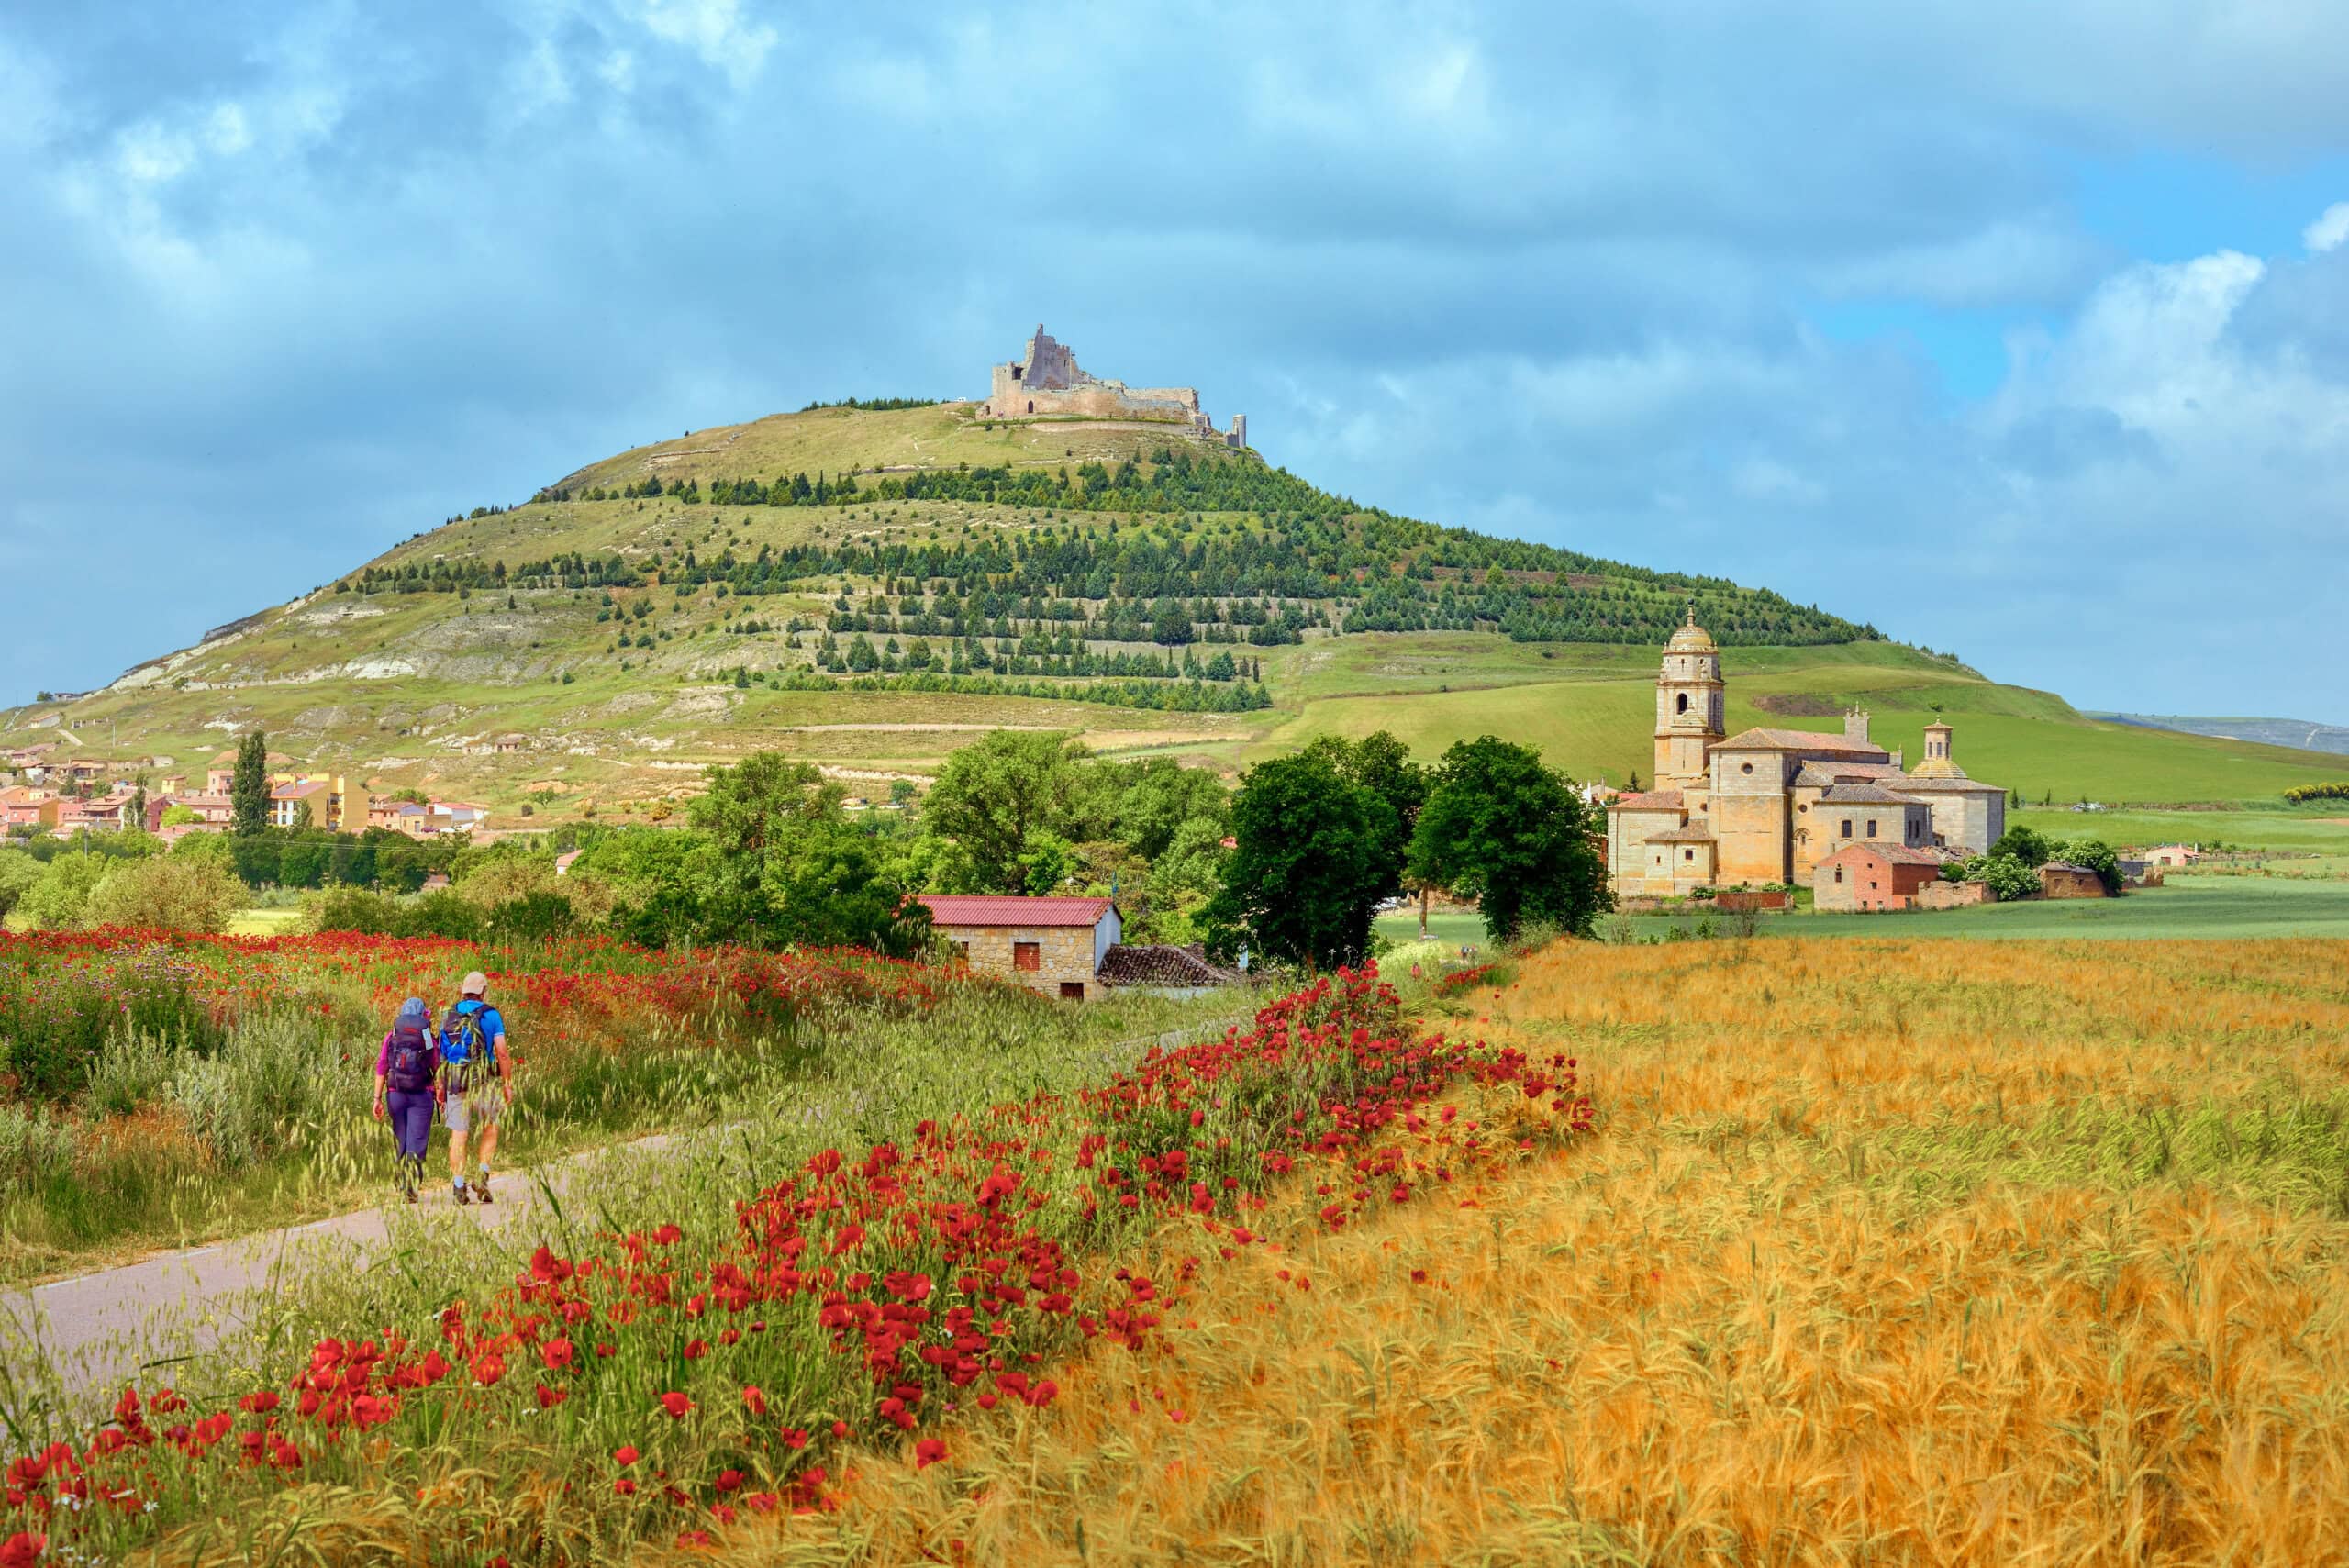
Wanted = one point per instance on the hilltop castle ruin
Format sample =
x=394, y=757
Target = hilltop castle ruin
x=1048, y=383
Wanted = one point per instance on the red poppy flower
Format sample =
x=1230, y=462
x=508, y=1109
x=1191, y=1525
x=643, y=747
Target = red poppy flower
x=676, y=1405
x=558, y=1355
x=926, y=1453
x=795, y=1436
x=625, y=1454
x=755, y=1400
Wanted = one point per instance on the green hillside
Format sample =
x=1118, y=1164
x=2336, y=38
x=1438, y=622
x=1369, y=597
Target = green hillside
x=869, y=589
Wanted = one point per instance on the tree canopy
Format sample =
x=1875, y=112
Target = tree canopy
x=1500, y=827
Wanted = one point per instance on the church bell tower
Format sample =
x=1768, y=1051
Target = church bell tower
x=1689, y=708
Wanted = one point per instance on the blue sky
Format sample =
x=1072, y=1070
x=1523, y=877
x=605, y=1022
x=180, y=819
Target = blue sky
x=2019, y=328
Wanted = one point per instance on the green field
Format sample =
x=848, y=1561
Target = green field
x=2187, y=906
x=1591, y=710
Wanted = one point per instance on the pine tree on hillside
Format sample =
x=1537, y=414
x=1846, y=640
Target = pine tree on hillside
x=249, y=791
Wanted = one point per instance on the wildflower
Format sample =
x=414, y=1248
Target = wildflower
x=754, y=1399
x=795, y=1436
x=676, y=1405
x=557, y=1354
x=926, y=1453
x=625, y=1455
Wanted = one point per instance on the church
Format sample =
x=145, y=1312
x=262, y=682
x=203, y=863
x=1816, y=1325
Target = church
x=1765, y=806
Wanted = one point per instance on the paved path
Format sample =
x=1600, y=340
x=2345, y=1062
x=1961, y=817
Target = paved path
x=95, y=1331
x=76, y=1341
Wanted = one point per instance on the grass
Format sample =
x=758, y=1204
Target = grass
x=1594, y=716
x=1900, y=1252
x=136, y=1141
x=2197, y=907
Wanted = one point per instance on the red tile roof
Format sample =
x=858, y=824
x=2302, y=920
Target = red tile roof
x=1649, y=800
x=1891, y=854
x=1800, y=740
x=1002, y=910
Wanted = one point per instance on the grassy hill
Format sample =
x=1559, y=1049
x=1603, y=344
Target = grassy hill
x=675, y=605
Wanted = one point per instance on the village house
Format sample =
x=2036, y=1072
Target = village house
x=1052, y=945
x=1872, y=876
x=220, y=773
x=320, y=800
x=212, y=811
x=2171, y=857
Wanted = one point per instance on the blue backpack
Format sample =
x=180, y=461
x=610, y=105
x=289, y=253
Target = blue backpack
x=464, y=1045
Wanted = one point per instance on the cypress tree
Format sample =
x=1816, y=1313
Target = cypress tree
x=249, y=791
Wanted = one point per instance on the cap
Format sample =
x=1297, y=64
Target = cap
x=475, y=983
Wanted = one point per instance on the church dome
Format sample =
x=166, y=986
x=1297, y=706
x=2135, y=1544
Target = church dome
x=1691, y=638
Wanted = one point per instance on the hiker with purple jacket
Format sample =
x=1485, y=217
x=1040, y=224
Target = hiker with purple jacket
x=406, y=1087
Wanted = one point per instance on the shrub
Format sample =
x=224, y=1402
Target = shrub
x=34, y=1147
x=272, y=1082
x=353, y=909
x=167, y=893
x=59, y=901
x=2008, y=877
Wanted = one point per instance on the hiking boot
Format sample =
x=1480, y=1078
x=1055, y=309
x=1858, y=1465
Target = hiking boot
x=481, y=1189
x=463, y=1195
x=411, y=1194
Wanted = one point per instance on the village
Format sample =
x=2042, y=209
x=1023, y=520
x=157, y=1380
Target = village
x=65, y=795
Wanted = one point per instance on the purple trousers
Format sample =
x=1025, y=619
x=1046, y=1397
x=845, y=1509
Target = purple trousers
x=411, y=1119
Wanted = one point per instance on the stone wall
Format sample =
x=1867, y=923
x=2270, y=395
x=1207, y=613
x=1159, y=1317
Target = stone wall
x=1749, y=816
x=1953, y=895
x=1066, y=955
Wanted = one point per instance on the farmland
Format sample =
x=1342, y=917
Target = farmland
x=1350, y=1286
x=1909, y=1252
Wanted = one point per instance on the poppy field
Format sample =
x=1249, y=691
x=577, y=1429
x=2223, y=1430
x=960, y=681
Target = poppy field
x=682, y=1385
x=158, y=1089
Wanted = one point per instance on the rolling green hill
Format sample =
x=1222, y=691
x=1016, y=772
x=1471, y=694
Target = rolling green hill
x=867, y=590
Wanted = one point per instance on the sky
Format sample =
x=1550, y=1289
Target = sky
x=2019, y=328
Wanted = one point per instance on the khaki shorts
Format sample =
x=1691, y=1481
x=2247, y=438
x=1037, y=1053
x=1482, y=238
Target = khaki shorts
x=478, y=1106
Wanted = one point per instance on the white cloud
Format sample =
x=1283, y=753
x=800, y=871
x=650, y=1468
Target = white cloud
x=713, y=29
x=225, y=131
x=147, y=155
x=2329, y=232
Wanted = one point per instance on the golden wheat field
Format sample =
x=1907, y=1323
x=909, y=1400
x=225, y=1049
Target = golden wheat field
x=1893, y=1252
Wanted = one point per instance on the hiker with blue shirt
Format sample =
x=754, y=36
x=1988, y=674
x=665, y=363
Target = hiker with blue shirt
x=405, y=1091
x=475, y=1073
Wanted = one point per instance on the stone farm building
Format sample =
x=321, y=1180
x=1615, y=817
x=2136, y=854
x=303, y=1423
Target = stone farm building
x=1047, y=382
x=1053, y=945
x=1771, y=806
x=1865, y=876
x=1067, y=947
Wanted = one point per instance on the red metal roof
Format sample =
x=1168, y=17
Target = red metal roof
x=1003, y=909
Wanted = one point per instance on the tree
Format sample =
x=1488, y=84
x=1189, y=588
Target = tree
x=2020, y=843
x=249, y=788
x=178, y=816
x=19, y=873
x=60, y=900
x=1310, y=858
x=168, y=892
x=2008, y=877
x=791, y=869
x=1383, y=764
x=1513, y=835
x=2096, y=855
x=990, y=796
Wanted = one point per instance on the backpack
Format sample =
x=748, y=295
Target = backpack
x=405, y=1070
x=463, y=1044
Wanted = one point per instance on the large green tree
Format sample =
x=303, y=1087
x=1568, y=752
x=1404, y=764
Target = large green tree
x=1381, y=763
x=1503, y=829
x=991, y=797
x=792, y=869
x=1312, y=858
x=249, y=787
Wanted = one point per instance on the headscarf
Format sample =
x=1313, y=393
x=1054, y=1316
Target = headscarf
x=414, y=1011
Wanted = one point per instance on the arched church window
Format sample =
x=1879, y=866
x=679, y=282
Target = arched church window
x=1031, y=406
x=1684, y=703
